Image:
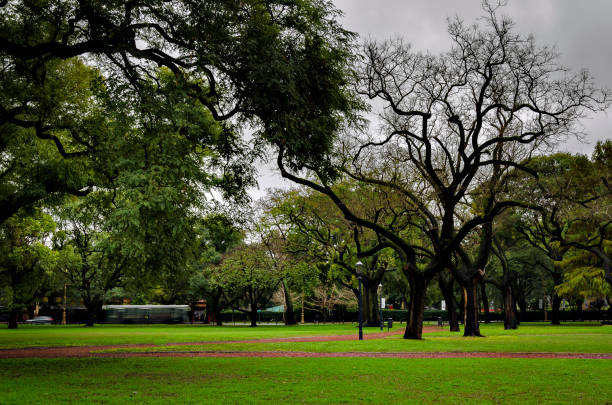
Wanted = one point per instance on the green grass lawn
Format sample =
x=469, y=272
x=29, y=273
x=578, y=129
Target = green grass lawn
x=73, y=335
x=309, y=380
x=582, y=338
x=596, y=343
x=304, y=380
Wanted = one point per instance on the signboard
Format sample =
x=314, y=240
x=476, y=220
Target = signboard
x=382, y=303
x=443, y=305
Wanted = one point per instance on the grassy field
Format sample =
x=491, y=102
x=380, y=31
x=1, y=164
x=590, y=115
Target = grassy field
x=309, y=380
x=290, y=380
x=73, y=335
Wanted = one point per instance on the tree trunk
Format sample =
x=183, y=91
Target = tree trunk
x=462, y=308
x=446, y=287
x=522, y=304
x=579, y=309
x=216, y=310
x=13, y=318
x=91, y=307
x=253, y=315
x=370, y=305
x=414, y=326
x=470, y=293
x=510, y=321
x=556, y=304
x=289, y=313
x=485, y=302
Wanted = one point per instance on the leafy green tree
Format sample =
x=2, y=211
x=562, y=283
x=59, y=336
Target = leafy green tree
x=24, y=260
x=50, y=120
x=217, y=234
x=573, y=196
x=248, y=279
x=328, y=237
x=281, y=66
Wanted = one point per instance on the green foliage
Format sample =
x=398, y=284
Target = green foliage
x=25, y=262
x=246, y=275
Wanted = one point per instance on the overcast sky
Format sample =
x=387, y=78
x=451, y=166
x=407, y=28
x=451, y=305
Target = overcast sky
x=580, y=30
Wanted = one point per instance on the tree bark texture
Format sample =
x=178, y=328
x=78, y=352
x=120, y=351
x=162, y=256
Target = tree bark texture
x=289, y=313
x=470, y=293
x=414, y=327
x=93, y=307
x=370, y=305
x=485, y=302
x=13, y=318
x=510, y=319
x=446, y=287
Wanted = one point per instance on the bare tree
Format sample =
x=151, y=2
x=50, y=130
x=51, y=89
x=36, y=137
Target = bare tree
x=454, y=126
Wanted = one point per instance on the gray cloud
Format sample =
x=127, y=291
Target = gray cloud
x=580, y=30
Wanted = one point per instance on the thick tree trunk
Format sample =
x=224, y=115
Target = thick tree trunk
x=370, y=305
x=462, y=307
x=510, y=321
x=485, y=302
x=556, y=304
x=470, y=293
x=446, y=287
x=14, y=318
x=216, y=310
x=253, y=315
x=92, y=311
x=289, y=313
x=414, y=327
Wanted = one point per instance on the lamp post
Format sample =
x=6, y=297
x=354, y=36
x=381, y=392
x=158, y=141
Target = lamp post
x=380, y=305
x=358, y=270
x=64, y=310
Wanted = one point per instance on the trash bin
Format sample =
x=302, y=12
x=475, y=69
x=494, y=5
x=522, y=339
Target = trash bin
x=389, y=323
x=439, y=321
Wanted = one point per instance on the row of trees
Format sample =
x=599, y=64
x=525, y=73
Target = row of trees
x=121, y=124
x=118, y=121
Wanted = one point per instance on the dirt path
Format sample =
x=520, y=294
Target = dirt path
x=89, y=351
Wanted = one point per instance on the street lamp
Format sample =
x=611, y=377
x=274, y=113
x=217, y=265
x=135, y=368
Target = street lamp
x=359, y=270
x=380, y=305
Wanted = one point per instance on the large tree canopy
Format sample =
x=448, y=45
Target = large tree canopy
x=454, y=125
x=280, y=64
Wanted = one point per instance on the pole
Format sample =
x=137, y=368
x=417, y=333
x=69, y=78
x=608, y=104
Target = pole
x=360, y=313
x=302, y=322
x=64, y=310
x=380, y=305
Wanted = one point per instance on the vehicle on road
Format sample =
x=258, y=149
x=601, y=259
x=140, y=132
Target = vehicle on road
x=40, y=320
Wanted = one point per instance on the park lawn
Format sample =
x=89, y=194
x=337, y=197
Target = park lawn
x=304, y=380
x=529, y=338
x=74, y=335
x=521, y=343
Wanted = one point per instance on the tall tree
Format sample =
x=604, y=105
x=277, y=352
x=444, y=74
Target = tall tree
x=453, y=125
x=278, y=65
